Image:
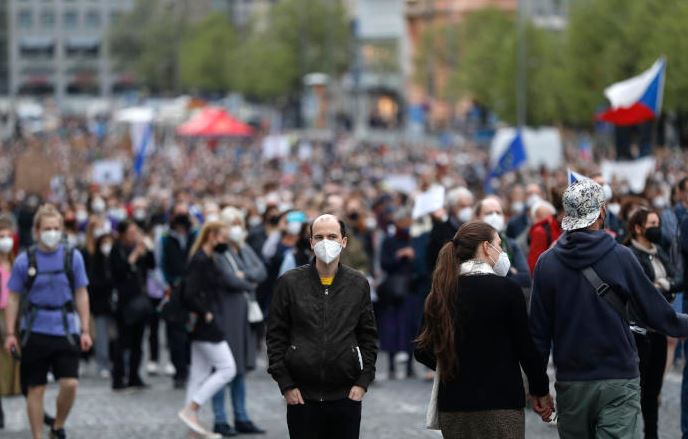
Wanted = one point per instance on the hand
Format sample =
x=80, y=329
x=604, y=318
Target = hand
x=241, y=275
x=11, y=342
x=86, y=341
x=406, y=252
x=543, y=406
x=208, y=317
x=357, y=393
x=293, y=397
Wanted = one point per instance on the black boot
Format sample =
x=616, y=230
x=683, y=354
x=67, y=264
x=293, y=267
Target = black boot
x=2, y=416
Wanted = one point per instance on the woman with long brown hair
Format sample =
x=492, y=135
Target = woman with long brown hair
x=476, y=333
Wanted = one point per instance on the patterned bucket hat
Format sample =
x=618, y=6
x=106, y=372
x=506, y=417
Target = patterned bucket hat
x=583, y=201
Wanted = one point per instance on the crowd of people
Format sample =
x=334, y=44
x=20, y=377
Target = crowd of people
x=220, y=218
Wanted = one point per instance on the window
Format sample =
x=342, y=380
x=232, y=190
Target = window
x=48, y=18
x=71, y=18
x=25, y=18
x=93, y=19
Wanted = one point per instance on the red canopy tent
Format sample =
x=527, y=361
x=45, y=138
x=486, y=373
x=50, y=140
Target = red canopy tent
x=214, y=122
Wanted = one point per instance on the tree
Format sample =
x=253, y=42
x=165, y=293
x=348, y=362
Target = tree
x=147, y=41
x=297, y=37
x=208, y=55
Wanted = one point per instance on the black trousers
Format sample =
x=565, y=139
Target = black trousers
x=324, y=420
x=180, y=349
x=154, y=333
x=652, y=350
x=129, y=338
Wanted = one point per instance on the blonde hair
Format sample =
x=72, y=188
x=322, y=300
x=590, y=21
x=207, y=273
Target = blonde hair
x=46, y=211
x=210, y=228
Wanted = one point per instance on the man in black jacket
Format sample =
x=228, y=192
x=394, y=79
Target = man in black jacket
x=322, y=339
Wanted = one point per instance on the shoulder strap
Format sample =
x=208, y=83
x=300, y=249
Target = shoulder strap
x=31, y=269
x=603, y=290
x=68, y=257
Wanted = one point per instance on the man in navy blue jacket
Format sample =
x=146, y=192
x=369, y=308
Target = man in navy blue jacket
x=598, y=387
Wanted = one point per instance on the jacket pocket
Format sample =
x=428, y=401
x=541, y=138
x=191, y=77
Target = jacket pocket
x=300, y=368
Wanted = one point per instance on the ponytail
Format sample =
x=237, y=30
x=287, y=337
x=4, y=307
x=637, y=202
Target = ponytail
x=440, y=329
x=438, y=333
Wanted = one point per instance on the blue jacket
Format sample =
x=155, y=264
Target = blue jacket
x=591, y=341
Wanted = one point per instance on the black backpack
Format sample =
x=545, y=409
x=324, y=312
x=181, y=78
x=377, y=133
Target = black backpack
x=29, y=310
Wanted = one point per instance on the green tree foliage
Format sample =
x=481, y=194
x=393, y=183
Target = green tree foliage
x=147, y=41
x=208, y=55
x=604, y=42
x=267, y=61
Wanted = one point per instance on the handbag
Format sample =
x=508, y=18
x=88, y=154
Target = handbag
x=255, y=314
x=432, y=417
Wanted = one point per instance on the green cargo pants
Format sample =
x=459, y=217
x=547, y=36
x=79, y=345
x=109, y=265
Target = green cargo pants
x=606, y=409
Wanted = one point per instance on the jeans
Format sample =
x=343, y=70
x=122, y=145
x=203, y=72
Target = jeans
x=102, y=342
x=238, y=389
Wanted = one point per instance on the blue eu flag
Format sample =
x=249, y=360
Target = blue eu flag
x=512, y=158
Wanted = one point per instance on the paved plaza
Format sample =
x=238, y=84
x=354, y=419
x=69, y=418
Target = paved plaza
x=392, y=410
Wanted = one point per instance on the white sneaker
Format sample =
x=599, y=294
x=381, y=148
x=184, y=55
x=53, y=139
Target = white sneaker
x=188, y=419
x=152, y=368
x=169, y=370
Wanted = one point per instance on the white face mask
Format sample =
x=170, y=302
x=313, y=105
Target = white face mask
x=237, y=234
x=118, y=214
x=81, y=216
x=51, y=238
x=659, y=202
x=496, y=220
x=532, y=200
x=614, y=208
x=294, y=228
x=465, y=214
x=98, y=205
x=517, y=207
x=327, y=250
x=607, y=190
x=371, y=223
x=254, y=221
x=140, y=214
x=212, y=217
x=106, y=248
x=6, y=244
x=503, y=264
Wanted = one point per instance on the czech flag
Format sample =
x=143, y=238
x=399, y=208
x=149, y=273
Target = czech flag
x=637, y=99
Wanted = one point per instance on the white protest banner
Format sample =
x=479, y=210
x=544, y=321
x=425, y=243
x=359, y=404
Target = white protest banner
x=428, y=202
x=634, y=172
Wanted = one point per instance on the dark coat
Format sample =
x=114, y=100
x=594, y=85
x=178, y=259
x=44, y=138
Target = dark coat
x=442, y=233
x=674, y=276
x=315, y=334
x=203, y=287
x=100, y=285
x=129, y=280
x=234, y=301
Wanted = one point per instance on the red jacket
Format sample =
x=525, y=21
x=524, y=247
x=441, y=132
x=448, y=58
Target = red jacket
x=541, y=237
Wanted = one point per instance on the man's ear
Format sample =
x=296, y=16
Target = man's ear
x=345, y=240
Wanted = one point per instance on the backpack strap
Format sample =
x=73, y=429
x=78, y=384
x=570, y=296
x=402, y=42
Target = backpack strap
x=31, y=311
x=609, y=295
